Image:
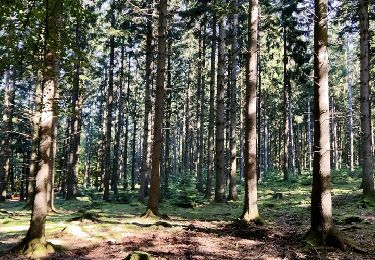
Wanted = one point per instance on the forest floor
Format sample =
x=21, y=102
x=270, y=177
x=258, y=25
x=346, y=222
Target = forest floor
x=89, y=228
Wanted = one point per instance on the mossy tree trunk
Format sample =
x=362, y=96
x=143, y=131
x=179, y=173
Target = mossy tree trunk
x=250, y=212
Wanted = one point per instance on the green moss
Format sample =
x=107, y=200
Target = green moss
x=138, y=255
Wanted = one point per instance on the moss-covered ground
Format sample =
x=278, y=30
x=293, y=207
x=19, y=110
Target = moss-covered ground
x=90, y=228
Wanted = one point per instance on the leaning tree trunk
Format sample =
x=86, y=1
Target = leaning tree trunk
x=250, y=211
x=35, y=238
x=153, y=200
x=220, y=114
x=366, y=151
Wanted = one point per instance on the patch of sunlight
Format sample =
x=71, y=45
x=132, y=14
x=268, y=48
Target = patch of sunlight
x=77, y=231
x=84, y=199
x=55, y=241
x=14, y=228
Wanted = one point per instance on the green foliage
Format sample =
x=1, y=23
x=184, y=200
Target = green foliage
x=185, y=192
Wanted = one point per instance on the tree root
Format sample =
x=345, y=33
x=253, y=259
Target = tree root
x=155, y=215
x=150, y=214
x=35, y=248
x=334, y=238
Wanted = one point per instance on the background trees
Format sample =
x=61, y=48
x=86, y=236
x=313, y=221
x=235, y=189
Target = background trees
x=111, y=79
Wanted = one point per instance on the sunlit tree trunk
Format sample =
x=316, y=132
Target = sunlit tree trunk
x=147, y=138
x=220, y=114
x=36, y=233
x=35, y=139
x=250, y=211
x=119, y=126
x=233, y=106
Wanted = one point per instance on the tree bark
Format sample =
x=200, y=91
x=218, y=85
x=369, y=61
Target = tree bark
x=366, y=151
x=321, y=205
x=75, y=125
x=36, y=234
x=220, y=113
x=108, y=137
x=211, y=120
x=5, y=140
x=153, y=201
x=35, y=140
x=120, y=115
x=233, y=106
x=147, y=138
x=250, y=211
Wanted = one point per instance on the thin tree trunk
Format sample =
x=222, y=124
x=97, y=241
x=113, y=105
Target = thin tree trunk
x=309, y=135
x=120, y=115
x=233, y=106
x=108, y=137
x=220, y=114
x=147, y=138
x=75, y=126
x=211, y=122
x=5, y=140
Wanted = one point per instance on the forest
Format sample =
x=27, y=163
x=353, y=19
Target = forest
x=187, y=129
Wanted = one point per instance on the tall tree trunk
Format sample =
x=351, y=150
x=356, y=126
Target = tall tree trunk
x=285, y=105
x=211, y=120
x=309, y=134
x=125, y=150
x=120, y=115
x=35, y=140
x=168, y=109
x=366, y=151
x=5, y=140
x=322, y=230
x=250, y=211
x=350, y=115
x=200, y=106
x=75, y=125
x=108, y=137
x=147, y=138
x=153, y=200
x=87, y=168
x=36, y=233
x=233, y=106
x=220, y=113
